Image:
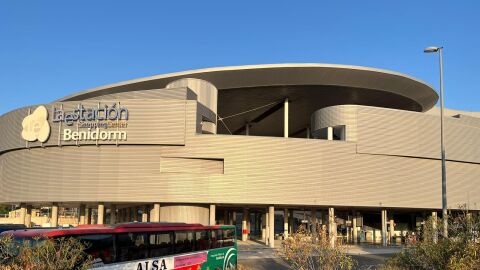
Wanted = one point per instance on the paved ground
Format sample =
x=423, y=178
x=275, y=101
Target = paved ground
x=255, y=255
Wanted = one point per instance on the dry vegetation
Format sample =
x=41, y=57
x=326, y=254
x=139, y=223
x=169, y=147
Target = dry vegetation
x=460, y=251
x=45, y=254
x=305, y=250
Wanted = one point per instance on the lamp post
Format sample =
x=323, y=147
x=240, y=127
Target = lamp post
x=442, y=146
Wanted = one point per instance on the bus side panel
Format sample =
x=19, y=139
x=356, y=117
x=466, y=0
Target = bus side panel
x=221, y=259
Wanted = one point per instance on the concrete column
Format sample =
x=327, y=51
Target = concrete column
x=135, y=214
x=145, y=213
x=354, y=228
x=54, y=216
x=264, y=227
x=314, y=220
x=267, y=227
x=113, y=214
x=234, y=218
x=392, y=229
x=290, y=222
x=248, y=224
x=225, y=217
x=308, y=132
x=330, y=133
x=28, y=216
x=384, y=227
x=101, y=213
x=212, y=214
x=244, y=224
x=247, y=129
x=285, y=118
x=81, y=215
x=434, y=227
x=87, y=215
x=285, y=223
x=155, y=214
x=271, y=225
x=23, y=213
x=332, y=226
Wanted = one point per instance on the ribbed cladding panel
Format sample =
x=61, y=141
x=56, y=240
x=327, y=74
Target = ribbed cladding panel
x=165, y=93
x=395, y=132
x=150, y=122
x=191, y=165
x=335, y=116
x=257, y=170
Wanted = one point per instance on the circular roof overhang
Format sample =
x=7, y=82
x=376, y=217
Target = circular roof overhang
x=308, y=86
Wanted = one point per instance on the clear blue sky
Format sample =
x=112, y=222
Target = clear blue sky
x=49, y=49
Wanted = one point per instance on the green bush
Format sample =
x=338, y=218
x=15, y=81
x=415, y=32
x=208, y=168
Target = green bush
x=44, y=254
x=460, y=251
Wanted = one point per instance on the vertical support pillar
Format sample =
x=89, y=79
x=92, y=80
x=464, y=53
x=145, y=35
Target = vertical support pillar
x=308, y=133
x=391, y=229
x=225, y=217
x=434, y=227
x=271, y=225
x=247, y=129
x=113, y=214
x=54, y=215
x=23, y=214
x=330, y=133
x=290, y=222
x=244, y=224
x=384, y=227
x=135, y=214
x=88, y=215
x=314, y=220
x=155, y=213
x=81, y=214
x=354, y=228
x=332, y=227
x=101, y=213
x=126, y=214
x=28, y=216
x=212, y=214
x=234, y=218
x=264, y=227
x=285, y=223
x=285, y=118
x=145, y=213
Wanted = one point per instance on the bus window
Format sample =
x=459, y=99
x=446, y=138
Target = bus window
x=184, y=242
x=228, y=237
x=201, y=239
x=216, y=240
x=160, y=244
x=100, y=246
x=131, y=246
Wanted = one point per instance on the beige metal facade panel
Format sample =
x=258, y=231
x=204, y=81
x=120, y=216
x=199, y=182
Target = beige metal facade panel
x=258, y=170
x=334, y=116
x=191, y=165
x=150, y=122
x=395, y=132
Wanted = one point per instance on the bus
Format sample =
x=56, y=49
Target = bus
x=150, y=246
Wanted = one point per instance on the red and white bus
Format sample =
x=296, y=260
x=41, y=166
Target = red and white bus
x=150, y=246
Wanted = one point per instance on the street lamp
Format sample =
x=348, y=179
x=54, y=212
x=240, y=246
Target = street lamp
x=442, y=147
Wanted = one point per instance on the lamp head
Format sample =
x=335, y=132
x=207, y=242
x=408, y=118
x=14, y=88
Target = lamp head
x=432, y=49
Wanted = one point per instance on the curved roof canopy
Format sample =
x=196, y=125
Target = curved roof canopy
x=308, y=87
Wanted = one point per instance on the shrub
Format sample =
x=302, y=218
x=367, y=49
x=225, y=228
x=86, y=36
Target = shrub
x=461, y=250
x=304, y=250
x=45, y=254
